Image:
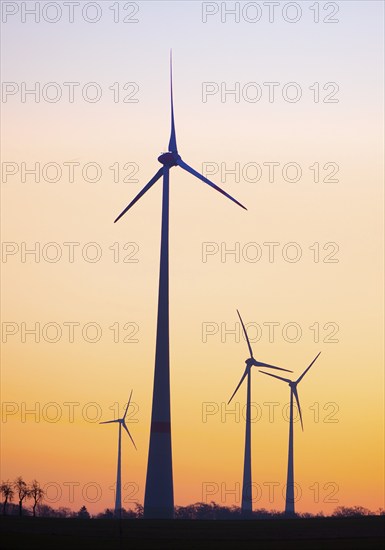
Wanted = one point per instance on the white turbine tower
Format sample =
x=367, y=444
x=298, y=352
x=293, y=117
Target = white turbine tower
x=122, y=423
x=289, y=507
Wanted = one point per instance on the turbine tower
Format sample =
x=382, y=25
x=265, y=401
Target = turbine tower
x=247, y=500
x=290, y=501
x=159, y=492
x=122, y=423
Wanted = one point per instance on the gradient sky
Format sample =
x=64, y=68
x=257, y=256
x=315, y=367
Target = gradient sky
x=342, y=450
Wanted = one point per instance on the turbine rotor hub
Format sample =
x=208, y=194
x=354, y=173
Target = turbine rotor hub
x=169, y=159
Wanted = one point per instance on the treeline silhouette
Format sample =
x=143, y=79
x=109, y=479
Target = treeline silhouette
x=22, y=492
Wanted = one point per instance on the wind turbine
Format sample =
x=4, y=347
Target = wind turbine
x=247, y=501
x=122, y=423
x=289, y=506
x=159, y=493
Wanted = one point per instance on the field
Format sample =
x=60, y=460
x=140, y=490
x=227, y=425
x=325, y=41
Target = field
x=278, y=534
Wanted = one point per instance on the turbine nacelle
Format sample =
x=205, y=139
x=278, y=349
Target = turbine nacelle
x=169, y=159
x=252, y=362
x=172, y=158
x=293, y=385
x=122, y=421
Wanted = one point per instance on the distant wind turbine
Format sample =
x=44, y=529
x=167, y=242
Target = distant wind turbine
x=122, y=423
x=159, y=493
x=247, y=501
x=289, y=507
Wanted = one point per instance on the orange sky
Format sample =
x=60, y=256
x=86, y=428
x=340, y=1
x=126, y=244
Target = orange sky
x=339, y=456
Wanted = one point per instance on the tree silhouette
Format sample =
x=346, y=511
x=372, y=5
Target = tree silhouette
x=37, y=493
x=107, y=514
x=83, y=513
x=139, y=510
x=351, y=511
x=8, y=493
x=22, y=491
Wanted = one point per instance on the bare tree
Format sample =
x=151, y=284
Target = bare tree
x=22, y=491
x=8, y=493
x=37, y=493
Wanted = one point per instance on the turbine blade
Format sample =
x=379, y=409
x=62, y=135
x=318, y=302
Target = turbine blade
x=128, y=404
x=275, y=376
x=142, y=192
x=246, y=335
x=109, y=422
x=259, y=364
x=294, y=390
x=125, y=427
x=305, y=371
x=172, y=143
x=247, y=369
x=188, y=168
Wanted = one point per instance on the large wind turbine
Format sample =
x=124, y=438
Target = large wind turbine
x=159, y=493
x=122, y=422
x=247, y=501
x=289, y=507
